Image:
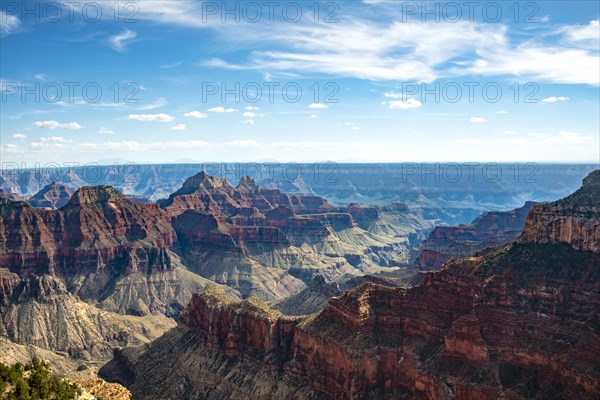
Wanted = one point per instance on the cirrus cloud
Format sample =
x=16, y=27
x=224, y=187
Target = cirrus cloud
x=119, y=40
x=9, y=24
x=477, y=120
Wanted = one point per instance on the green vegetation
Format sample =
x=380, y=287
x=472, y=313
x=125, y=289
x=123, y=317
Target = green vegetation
x=553, y=261
x=34, y=381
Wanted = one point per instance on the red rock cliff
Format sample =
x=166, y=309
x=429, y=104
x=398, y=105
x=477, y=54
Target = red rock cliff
x=520, y=323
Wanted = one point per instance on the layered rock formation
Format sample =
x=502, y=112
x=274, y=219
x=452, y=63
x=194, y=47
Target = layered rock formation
x=39, y=311
x=67, y=275
x=266, y=243
x=455, y=197
x=570, y=220
x=318, y=293
x=52, y=196
x=98, y=267
x=98, y=229
x=10, y=196
x=519, y=323
x=490, y=229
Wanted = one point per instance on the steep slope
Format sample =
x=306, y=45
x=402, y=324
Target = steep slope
x=39, y=311
x=52, y=196
x=490, y=229
x=68, y=275
x=11, y=353
x=10, y=196
x=266, y=243
x=520, y=323
x=317, y=294
x=571, y=220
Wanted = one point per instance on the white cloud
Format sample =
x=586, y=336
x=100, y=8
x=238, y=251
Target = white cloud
x=55, y=139
x=318, y=106
x=179, y=127
x=19, y=136
x=160, y=102
x=105, y=131
x=401, y=104
x=119, y=40
x=538, y=147
x=56, y=125
x=221, y=110
x=313, y=116
x=162, y=117
x=502, y=112
x=9, y=24
x=537, y=63
x=477, y=120
x=363, y=49
x=251, y=108
x=583, y=36
x=393, y=95
x=249, y=114
x=407, y=51
x=355, y=128
x=248, y=122
x=195, y=114
x=554, y=99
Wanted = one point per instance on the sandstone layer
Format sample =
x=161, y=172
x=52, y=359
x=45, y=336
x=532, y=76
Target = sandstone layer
x=519, y=323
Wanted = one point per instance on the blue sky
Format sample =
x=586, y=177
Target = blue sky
x=369, y=73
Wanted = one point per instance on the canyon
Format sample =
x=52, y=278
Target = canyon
x=455, y=193
x=105, y=270
x=490, y=229
x=520, y=322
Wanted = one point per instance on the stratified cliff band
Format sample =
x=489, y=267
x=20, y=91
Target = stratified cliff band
x=522, y=322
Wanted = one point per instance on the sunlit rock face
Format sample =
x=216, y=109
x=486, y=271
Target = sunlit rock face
x=270, y=244
x=573, y=220
x=52, y=196
x=488, y=230
x=519, y=323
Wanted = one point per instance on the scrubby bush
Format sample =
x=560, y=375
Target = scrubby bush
x=34, y=381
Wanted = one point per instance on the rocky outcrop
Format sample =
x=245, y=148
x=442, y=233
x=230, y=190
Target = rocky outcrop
x=52, y=196
x=67, y=276
x=40, y=312
x=266, y=243
x=519, y=323
x=100, y=389
x=452, y=242
x=317, y=294
x=570, y=220
x=98, y=228
x=418, y=185
x=10, y=196
x=11, y=353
